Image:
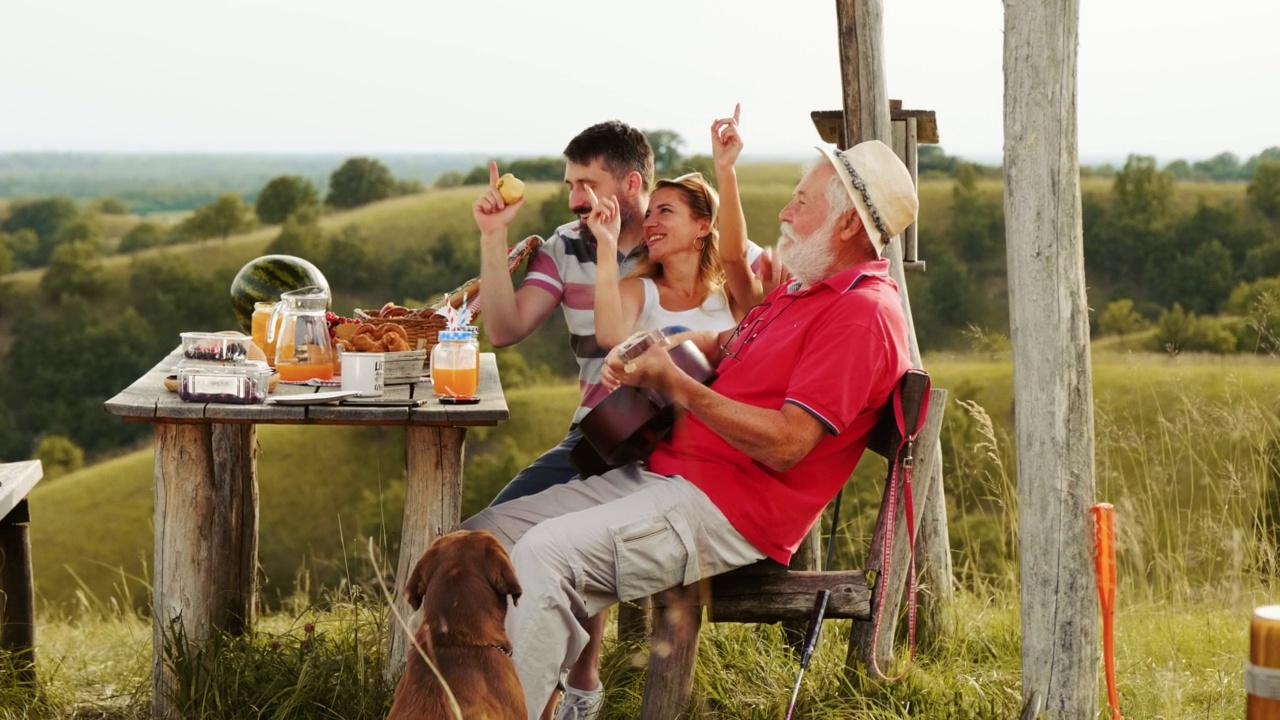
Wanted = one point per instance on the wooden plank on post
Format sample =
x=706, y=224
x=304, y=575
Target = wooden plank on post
x=432, y=507
x=1049, y=329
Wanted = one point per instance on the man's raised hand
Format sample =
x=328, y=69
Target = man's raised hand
x=604, y=220
x=491, y=212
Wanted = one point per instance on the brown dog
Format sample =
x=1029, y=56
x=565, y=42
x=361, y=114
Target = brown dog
x=461, y=583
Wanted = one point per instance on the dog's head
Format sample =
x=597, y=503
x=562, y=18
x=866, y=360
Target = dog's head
x=460, y=558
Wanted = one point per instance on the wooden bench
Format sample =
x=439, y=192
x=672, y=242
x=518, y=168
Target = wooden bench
x=768, y=592
x=17, y=594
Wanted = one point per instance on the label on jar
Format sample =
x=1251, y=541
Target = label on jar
x=1263, y=682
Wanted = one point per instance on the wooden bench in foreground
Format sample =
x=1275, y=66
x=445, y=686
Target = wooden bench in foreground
x=17, y=594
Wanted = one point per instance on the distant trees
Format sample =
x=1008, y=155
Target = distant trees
x=666, y=146
x=359, y=181
x=1264, y=190
x=23, y=247
x=283, y=196
x=527, y=169
x=932, y=160
x=144, y=235
x=45, y=218
x=227, y=215
x=74, y=270
x=58, y=455
x=110, y=206
x=1120, y=318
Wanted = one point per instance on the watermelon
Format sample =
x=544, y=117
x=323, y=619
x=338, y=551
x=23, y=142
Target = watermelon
x=264, y=278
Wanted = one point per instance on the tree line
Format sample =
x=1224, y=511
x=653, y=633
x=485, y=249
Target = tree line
x=1203, y=276
x=37, y=230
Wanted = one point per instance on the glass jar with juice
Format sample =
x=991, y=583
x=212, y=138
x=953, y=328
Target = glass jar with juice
x=261, y=317
x=455, y=368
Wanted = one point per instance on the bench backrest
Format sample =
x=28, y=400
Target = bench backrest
x=16, y=480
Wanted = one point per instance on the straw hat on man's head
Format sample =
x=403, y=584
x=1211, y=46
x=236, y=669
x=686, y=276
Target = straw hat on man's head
x=880, y=186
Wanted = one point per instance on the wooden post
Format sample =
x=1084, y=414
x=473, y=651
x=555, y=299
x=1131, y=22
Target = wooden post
x=1052, y=376
x=866, y=117
x=432, y=507
x=933, y=541
x=206, y=494
x=673, y=653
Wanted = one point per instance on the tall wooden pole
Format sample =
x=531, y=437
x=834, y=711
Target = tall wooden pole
x=866, y=117
x=1052, y=374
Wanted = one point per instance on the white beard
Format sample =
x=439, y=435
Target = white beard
x=807, y=257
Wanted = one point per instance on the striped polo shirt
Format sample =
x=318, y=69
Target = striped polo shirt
x=565, y=266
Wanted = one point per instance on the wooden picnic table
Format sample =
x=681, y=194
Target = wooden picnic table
x=206, y=497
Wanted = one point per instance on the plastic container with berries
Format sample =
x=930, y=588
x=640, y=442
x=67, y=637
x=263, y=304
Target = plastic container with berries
x=238, y=383
x=216, y=347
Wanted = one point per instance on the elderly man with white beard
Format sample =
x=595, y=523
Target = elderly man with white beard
x=757, y=454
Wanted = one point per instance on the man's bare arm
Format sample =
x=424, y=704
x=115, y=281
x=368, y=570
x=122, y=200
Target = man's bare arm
x=776, y=438
x=510, y=315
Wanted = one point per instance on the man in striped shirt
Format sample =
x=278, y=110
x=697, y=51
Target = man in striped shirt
x=611, y=159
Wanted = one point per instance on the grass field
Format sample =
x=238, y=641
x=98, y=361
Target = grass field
x=1182, y=446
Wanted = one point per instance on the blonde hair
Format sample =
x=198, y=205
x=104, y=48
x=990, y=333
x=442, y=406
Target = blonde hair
x=704, y=203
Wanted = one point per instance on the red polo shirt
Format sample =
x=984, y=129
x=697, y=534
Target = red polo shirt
x=837, y=350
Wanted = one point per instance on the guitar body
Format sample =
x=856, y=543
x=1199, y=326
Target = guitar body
x=630, y=422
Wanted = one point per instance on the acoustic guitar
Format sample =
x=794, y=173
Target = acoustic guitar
x=630, y=422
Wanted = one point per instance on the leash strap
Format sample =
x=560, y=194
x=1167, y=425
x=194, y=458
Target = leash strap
x=904, y=454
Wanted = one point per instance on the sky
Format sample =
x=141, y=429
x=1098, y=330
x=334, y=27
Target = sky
x=1173, y=79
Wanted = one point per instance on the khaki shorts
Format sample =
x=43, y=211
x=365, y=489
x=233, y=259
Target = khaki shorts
x=623, y=535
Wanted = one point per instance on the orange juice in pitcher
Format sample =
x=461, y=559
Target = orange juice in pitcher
x=300, y=332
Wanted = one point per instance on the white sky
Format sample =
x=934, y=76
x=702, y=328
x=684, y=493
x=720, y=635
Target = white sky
x=1170, y=78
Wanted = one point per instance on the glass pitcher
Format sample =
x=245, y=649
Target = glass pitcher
x=301, y=335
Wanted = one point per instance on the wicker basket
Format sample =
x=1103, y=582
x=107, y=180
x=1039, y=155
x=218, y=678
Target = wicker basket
x=423, y=327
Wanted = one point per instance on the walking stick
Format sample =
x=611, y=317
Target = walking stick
x=1104, y=565
x=810, y=641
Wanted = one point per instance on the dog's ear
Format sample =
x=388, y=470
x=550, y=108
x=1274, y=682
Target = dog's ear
x=502, y=576
x=416, y=588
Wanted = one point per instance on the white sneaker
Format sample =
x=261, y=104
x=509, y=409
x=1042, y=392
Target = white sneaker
x=580, y=704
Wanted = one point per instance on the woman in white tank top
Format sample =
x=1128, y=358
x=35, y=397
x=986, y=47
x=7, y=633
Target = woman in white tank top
x=682, y=281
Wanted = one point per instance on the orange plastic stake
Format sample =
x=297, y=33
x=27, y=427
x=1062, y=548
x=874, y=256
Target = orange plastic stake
x=1104, y=565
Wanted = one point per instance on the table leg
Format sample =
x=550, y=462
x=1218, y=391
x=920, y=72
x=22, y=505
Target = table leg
x=432, y=507
x=206, y=543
